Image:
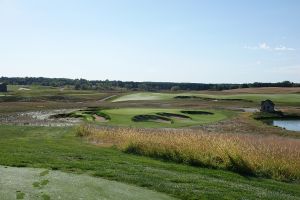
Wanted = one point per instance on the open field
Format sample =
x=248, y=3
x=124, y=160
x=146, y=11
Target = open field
x=35, y=183
x=59, y=149
x=281, y=99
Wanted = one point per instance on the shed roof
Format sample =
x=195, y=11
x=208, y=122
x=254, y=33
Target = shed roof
x=268, y=101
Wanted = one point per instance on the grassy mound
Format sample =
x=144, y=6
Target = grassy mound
x=98, y=113
x=196, y=112
x=155, y=118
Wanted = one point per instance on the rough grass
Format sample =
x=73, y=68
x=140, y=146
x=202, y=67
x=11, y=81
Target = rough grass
x=272, y=157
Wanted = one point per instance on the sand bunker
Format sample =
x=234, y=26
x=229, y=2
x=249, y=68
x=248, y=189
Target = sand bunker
x=152, y=118
x=196, y=112
x=22, y=88
x=173, y=115
x=100, y=118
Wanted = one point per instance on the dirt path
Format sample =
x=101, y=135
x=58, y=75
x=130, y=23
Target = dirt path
x=106, y=98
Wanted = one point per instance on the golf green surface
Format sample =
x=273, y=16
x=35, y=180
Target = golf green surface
x=291, y=99
x=123, y=117
x=31, y=183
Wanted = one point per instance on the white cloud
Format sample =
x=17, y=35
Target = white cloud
x=283, y=48
x=265, y=46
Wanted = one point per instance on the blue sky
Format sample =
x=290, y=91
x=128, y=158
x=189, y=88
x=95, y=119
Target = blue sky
x=152, y=40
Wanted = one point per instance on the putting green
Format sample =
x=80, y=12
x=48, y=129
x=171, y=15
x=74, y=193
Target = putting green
x=124, y=116
x=29, y=183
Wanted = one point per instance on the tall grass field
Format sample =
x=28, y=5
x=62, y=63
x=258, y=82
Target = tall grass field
x=252, y=155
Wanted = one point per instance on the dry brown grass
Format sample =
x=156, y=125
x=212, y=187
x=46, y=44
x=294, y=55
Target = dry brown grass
x=267, y=156
x=266, y=90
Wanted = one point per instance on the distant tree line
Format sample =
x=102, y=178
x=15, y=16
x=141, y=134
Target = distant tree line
x=83, y=84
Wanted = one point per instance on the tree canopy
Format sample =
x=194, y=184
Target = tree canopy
x=83, y=84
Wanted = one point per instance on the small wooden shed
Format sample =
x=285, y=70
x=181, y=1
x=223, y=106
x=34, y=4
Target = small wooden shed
x=3, y=87
x=267, y=106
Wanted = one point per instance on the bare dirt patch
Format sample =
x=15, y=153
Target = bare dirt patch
x=99, y=118
x=38, y=118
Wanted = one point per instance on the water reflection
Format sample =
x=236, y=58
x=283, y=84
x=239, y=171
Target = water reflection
x=293, y=125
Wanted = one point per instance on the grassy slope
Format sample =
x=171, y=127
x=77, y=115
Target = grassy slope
x=39, y=183
x=286, y=99
x=122, y=117
x=57, y=148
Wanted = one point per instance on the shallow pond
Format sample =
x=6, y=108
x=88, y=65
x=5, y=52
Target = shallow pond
x=291, y=124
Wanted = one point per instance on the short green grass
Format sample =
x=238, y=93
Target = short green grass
x=123, y=117
x=27, y=183
x=144, y=96
x=58, y=149
x=286, y=99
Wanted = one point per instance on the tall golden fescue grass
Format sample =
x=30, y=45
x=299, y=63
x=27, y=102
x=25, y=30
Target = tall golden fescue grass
x=268, y=156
